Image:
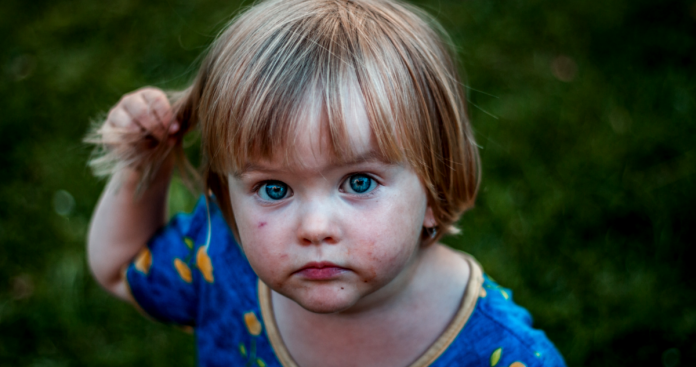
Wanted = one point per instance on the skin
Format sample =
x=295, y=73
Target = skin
x=374, y=236
x=393, y=296
x=381, y=302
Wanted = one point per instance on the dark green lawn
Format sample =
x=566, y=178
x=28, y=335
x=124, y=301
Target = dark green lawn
x=584, y=111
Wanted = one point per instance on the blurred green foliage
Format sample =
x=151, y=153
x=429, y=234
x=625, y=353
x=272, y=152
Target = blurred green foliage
x=584, y=111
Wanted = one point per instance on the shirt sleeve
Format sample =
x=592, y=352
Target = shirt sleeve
x=163, y=277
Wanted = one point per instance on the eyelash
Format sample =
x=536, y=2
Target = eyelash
x=257, y=189
x=371, y=189
x=262, y=185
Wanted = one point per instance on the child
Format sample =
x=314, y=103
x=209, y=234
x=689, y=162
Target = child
x=336, y=153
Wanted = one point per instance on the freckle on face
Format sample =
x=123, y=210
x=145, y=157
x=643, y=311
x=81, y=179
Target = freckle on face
x=371, y=277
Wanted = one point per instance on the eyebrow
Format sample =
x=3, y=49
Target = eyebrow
x=367, y=157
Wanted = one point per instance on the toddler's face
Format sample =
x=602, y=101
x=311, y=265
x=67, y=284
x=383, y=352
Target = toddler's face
x=331, y=236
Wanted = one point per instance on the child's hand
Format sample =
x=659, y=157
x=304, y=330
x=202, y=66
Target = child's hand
x=144, y=113
x=139, y=136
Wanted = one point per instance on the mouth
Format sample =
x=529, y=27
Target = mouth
x=323, y=270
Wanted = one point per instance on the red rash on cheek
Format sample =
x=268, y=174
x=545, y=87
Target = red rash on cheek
x=261, y=224
x=372, y=272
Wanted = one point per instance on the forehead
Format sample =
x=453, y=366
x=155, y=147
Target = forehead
x=313, y=141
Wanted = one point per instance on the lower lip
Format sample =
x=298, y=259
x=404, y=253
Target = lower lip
x=326, y=273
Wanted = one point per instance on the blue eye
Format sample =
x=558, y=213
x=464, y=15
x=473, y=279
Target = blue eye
x=273, y=190
x=360, y=184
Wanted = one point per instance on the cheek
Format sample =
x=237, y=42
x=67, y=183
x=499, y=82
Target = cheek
x=383, y=263
x=265, y=258
x=396, y=218
x=262, y=240
x=389, y=236
x=253, y=223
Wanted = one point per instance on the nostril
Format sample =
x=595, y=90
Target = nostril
x=317, y=229
x=318, y=241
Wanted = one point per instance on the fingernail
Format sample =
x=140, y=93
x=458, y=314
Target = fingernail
x=174, y=127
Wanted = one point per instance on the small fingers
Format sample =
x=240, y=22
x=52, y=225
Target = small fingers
x=118, y=128
x=119, y=118
x=159, y=105
x=142, y=114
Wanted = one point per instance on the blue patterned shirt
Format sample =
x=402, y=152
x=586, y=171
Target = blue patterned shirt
x=193, y=274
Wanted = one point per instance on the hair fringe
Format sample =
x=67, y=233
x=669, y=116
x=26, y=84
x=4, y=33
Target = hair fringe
x=251, y=84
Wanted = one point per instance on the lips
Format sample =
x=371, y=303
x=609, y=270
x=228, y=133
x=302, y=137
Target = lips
x=324, y=270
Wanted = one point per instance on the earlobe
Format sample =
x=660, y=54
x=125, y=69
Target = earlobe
x=429, y=220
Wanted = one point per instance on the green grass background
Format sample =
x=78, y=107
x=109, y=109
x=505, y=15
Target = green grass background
x=584, y=111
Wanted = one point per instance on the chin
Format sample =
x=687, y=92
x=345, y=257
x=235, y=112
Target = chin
x=325, y=301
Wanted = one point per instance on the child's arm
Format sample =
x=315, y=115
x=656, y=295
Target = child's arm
x=123, y=222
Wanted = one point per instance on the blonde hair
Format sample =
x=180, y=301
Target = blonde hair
x=248, y=95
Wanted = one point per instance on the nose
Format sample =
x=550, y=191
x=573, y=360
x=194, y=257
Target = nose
x=317, y=224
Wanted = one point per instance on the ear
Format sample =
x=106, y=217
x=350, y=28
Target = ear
x=429, y=220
